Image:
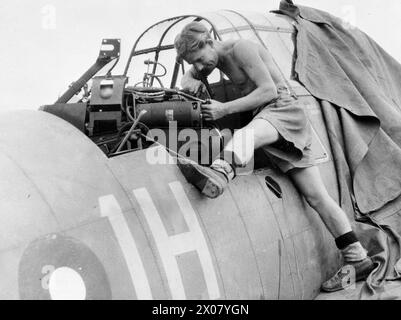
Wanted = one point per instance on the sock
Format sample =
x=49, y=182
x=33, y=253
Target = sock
x=227, y=163
x=231, y=158
x=350, y=247
x=225, y=168
x=346, y=239
x=354, y=253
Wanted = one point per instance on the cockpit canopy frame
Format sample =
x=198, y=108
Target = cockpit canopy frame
x=273, y=31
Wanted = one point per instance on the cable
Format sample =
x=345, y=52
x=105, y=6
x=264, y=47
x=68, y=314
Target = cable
x=168, y=149
x=141, y=114
x=129, y=113
x=146, y=96
x=149, y=62
x=129, y=124
x=111, y=69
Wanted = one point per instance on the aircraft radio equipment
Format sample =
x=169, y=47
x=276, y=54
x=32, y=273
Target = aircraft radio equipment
x=164, y=106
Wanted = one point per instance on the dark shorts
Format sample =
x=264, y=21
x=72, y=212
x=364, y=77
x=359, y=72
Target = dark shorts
x=293, y=150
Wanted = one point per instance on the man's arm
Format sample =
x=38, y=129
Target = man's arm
x=248, y=58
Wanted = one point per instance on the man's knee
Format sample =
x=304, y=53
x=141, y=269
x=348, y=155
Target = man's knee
x=263, y=132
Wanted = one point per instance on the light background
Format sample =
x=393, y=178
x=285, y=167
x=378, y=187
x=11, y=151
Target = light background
x=45, y=45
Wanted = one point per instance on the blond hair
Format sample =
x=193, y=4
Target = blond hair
x=194, y=36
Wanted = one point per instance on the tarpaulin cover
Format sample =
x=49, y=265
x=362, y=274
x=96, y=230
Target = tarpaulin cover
x=359, y=87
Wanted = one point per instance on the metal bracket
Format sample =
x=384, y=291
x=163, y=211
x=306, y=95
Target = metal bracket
x=110, y=49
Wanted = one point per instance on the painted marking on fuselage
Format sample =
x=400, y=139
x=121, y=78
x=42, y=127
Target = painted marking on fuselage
x=198, y=239
x=66, y=284
x=171, y=246
x=47, y=270
x=162, y=242
x=110, y=208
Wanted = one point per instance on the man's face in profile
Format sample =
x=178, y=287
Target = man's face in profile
x=204, y=59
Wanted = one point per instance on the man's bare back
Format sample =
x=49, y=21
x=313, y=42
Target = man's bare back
x=248, y=65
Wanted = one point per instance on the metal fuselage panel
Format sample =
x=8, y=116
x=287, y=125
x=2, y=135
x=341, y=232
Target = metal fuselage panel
x=131, y=229
x=146, y=233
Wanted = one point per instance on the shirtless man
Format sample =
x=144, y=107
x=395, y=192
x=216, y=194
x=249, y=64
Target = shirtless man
x=279, y=127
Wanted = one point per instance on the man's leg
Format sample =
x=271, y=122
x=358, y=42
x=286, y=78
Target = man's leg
x=310, y=184
x=212, y=181
x=258, y=133
x=237, y=153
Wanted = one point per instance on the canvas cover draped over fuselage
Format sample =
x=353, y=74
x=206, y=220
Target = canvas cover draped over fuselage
x=358, y=86
x=340, y=64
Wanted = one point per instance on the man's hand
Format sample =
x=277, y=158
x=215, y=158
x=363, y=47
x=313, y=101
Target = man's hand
x=213, y=111
x=193, y=86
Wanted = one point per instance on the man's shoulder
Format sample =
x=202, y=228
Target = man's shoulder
x=244, y=50
x=244, y=44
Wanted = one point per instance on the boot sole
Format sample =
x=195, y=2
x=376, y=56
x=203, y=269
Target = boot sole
x=359, y=278
x=206, y=184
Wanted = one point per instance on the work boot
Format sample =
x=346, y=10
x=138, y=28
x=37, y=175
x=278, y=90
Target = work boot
x=345, y=278
x=209, y=181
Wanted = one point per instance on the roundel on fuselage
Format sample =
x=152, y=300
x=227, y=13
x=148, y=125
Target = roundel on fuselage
x=61, y=268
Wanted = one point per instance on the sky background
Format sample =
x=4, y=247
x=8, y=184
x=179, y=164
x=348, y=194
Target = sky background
x=45, y=44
